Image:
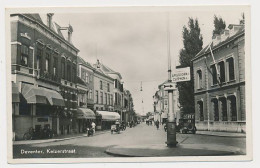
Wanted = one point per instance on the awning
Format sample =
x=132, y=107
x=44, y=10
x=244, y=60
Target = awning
x=109, y=116
x=54, y=97
x=15, y=93
x=37, y=95
x=85, y=113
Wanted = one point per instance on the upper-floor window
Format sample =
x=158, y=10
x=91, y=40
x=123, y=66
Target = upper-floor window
x=101, y=97
x=108, y=98
x=87, y=77
x=96, y=97
x=24, y=55
x=221, y=67
x=55, y=65
x=230, y=69
x=105, y=98
x=63, y=68
x=101, y=85
x=47, y=62
x=68, y=72
x=214, y=74
x=39, y=57
x=199, y=79
x=111, y=99
x=108, y=87
x=74, y=74
x=90, y=94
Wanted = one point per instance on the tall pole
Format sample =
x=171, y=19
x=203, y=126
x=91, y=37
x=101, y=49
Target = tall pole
x=171, y=123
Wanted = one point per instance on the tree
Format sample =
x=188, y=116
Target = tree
x=242, y=20
x=192, y=42
x=219, y=25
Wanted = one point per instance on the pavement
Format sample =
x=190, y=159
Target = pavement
x=139, y=141
x=56, y=139
x=222, y=134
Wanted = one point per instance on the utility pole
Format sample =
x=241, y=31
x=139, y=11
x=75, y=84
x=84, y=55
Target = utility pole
x=170, y=87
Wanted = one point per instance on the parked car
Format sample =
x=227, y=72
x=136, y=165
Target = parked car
x=186, y=126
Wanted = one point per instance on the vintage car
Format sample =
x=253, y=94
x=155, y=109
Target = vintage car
x=186, y=126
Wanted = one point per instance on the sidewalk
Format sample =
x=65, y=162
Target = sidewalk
x=222, y=134
x=57, y=138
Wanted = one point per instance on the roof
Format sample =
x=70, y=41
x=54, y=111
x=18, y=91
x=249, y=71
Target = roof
x=83, y=62
x=205, y=50
x=108, y=70
x=54, y=28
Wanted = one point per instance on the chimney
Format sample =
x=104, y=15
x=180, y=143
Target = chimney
x=216, y=39
x=49, y=19
x=70, y=30
x=234, y=28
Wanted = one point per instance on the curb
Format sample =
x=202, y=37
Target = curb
x=239, y=136
x=63, y=139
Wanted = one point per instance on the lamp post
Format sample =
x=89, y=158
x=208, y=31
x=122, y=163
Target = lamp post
x=170, y=87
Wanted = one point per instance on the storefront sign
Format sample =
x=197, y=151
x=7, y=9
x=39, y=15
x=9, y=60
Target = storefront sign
x=181, y=75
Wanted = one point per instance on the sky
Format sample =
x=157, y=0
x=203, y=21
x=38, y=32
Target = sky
x=134, y=43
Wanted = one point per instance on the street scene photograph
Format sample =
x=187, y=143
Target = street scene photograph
x=129, y=82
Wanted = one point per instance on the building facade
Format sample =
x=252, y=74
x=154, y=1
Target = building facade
x=39, y=77
x=219, y=83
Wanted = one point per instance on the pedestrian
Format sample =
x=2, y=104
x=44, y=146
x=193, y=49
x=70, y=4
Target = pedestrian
x=93, y=126
x=157, y=124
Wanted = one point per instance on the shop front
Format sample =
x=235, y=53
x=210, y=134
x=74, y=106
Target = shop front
x=105, y=119
x=85, y=117
x=37, y=108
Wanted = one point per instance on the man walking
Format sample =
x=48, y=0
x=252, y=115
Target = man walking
x=157, y=124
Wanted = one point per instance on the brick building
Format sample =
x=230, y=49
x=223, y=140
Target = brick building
x=219, y=85
x=43, y=63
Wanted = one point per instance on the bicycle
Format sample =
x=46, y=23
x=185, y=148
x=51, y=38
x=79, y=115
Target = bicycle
x=29, y=135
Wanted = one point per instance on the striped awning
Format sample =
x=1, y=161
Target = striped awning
x=109, y=116
x=85, y=113
x=38, y=95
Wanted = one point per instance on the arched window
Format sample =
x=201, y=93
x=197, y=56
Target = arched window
x=232, y=107
x=200, y=110
x=199, y=79
x=215, y=109
x=223, y=108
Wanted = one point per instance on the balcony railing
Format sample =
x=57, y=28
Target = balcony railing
x=49, y=77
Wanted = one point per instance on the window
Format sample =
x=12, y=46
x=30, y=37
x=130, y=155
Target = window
x=74, y=74
x=115, y=98
x=230, y=69
x=108, y=87
x=87, y=78
x=68, y=72
x=105, y=98
x=83, y=75
x=101, y=85
x=90, y=77
x=108, y=99
x=47, y=62
x=221, y=67
x=200, y=110
x=233, y=108
x=101, y=97
x=96, y=97
x=111, y=99
x=24, y=55
x=223, y=108
x=55, y=65
x=90, y=94
x=199, y=79
x=215, y=109
x=214, y=74
x=63, y=68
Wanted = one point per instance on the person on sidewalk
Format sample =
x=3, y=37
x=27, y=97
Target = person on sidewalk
x=157, y=124
x=93, y=126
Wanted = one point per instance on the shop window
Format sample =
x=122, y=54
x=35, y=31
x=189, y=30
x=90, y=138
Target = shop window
x=223, y=108
x=233, y=108
x=231, y=69
x=215, y=109
x=214, y=74
x=24, y=55
x=199, y=79
x=200, y=110
x=63, y=68
x=221, y=66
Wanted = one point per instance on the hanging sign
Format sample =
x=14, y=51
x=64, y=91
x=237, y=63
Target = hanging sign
x=181, y=75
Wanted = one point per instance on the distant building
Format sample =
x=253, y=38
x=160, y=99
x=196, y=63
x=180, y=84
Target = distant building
x=128, y=107
x=44, y=63
x=161, y=104
x=220, y=92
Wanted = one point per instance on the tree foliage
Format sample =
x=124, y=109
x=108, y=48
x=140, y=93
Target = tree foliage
x=192, y=42
x=219, y=25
